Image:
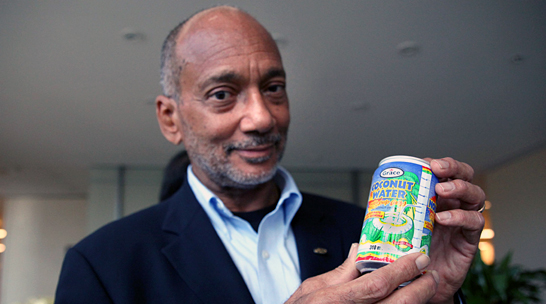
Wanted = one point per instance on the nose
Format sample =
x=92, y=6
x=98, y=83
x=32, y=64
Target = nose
x=258, y=116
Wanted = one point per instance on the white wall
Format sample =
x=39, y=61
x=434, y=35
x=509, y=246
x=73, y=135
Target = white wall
x=140, y=190
x=517, y=192
x=334, y=184
x=39, y=232
x=102, y=198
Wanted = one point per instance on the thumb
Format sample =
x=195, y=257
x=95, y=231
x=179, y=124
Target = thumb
x=346, y=271
x=342, y=274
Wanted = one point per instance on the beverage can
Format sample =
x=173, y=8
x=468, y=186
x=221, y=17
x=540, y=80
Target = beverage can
x=400, y=215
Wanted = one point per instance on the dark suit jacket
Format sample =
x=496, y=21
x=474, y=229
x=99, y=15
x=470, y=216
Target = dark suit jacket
x=170, y=253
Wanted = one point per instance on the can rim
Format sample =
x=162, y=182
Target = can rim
x=405, y=158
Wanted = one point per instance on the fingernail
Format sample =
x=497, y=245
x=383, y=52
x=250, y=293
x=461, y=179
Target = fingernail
x=353, y=248
x=442, y=163
x=446, y=215
x=436, y=276
x=447, y=187
x=422, y=262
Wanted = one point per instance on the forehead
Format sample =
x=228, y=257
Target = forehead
x=208, y=45
x=217, y=38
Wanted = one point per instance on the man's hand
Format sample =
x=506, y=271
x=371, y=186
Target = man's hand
x=454, y=243
x=458, y=225
x=345, y=285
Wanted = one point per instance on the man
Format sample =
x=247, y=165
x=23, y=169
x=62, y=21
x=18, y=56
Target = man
x=239, y=231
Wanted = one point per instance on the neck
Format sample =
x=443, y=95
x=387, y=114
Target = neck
x=246, y=200
x=242, y=200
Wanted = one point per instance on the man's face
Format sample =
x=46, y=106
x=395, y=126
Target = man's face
x=233, y=108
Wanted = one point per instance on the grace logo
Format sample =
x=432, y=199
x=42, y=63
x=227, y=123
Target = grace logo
x=391, y=172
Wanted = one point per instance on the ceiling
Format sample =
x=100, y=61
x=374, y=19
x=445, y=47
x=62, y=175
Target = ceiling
x=366, y=79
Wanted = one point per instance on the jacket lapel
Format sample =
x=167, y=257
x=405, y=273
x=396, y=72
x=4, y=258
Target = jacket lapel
x=198, y=254
x=318, y=239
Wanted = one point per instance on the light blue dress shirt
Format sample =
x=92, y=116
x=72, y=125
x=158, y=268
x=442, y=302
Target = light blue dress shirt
x=267, y=260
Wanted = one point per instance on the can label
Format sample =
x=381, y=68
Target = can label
x=400, y=215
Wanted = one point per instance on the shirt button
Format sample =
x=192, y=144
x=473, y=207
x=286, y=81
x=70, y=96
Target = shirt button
x=265, y=254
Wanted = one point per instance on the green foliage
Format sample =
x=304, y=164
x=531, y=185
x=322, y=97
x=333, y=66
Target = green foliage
x=503, y=282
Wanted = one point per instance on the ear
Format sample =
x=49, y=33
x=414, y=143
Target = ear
x=168, y=117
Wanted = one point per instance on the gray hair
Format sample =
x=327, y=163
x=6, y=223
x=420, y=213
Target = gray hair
x=170, y=67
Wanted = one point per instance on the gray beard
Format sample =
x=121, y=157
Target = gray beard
x=223, y=173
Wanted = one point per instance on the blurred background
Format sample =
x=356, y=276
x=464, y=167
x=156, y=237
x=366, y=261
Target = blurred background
x=80, y=145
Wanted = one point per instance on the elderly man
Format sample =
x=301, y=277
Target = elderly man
x=239, y=231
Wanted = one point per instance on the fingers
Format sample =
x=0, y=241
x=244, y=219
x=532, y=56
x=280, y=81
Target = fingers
x=342, y=274
x=380, y=283
x=419, y=291
x=449, y=168
x=472, y=223
x=346, y=271
x=456, y=184
x=470, y=196
x=372, y=287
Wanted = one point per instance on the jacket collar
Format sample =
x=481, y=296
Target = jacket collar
x=197, y=253
x=197, y=248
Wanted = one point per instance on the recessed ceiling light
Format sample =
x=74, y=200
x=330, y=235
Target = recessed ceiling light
x=360, y=106
x=408, y=48
x=132, y=35
x=280, y=39
x=516, y=59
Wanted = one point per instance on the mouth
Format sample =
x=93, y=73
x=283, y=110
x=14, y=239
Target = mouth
x=256, y=149
x=256, y=152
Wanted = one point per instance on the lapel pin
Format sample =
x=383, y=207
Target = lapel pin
x=320, y=250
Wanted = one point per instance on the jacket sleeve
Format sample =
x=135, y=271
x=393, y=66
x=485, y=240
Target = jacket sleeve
x=78, y=282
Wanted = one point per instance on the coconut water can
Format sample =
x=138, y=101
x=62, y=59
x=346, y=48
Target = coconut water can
x=400, y=214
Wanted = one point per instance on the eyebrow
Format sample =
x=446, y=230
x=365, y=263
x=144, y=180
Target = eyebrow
x=227, y=76
x=231, y=76
x=274, y=72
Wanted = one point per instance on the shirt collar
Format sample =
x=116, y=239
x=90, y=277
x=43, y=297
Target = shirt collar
x=290, y=198
x=289, y=201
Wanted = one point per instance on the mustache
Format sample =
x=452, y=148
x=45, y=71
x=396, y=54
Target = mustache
x=254, y=141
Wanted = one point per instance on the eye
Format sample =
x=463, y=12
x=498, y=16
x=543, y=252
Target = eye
x=222, y=98
x=221, y=95
x=276, y=92
x=276, y=88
